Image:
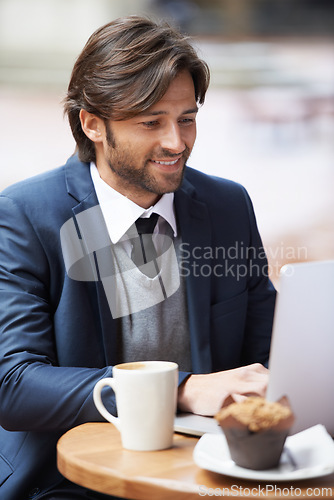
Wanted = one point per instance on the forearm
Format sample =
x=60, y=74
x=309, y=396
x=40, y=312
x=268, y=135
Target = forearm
x=43, y=397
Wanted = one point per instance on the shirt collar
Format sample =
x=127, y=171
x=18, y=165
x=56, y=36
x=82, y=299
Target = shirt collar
x=120, y=213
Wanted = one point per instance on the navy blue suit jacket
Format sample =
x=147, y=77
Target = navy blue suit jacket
x=57, y=335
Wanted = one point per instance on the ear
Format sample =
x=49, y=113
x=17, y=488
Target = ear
x=91, y=125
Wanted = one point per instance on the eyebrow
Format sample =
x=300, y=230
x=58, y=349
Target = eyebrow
x=156, y=113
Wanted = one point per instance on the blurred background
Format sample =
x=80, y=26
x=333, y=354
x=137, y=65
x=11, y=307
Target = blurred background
x=268, y=120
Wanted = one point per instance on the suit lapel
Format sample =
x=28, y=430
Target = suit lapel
x=194, y=223
x=94, y=234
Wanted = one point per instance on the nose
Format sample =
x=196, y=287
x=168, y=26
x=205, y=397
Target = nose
x=172, y=139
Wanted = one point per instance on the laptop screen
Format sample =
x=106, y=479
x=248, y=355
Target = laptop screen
x=301, y=359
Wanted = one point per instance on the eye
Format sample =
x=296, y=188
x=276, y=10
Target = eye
x=187, y=121
x=150, y=124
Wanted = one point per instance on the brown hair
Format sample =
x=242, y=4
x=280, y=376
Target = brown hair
x=125, y=67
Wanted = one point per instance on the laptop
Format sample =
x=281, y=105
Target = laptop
x=301, y=359
x=195, y=425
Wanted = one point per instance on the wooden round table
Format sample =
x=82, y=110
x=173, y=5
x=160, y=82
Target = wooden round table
x=92, y=456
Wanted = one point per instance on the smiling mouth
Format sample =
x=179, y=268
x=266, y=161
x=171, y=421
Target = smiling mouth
x=166, y=162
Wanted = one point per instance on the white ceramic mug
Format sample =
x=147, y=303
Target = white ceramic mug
x=146, y=398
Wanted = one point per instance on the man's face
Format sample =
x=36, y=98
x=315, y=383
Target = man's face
x=144, y=157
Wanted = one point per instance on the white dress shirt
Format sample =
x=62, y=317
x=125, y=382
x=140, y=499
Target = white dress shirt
x=120, y=213
x=123, y=288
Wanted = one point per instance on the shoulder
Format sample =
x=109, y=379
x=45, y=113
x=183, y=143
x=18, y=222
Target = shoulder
x=42, y=199
x=37, y=187
x=212, y=189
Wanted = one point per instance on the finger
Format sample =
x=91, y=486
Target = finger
x=238, y=398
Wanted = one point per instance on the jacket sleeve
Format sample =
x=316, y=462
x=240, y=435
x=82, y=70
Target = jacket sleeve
x=35, y=393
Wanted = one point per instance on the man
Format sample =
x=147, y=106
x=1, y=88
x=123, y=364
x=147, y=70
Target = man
x=74, y=300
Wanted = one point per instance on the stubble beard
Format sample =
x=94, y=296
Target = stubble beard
x=136, y=178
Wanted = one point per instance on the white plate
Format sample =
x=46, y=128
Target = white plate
x=308, y=454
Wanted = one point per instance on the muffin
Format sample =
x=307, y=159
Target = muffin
x=256, y=430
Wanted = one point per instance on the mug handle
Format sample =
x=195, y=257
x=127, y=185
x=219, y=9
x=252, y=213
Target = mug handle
x=108, y=381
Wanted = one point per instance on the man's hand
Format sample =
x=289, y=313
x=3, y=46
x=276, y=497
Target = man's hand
x=205, y=394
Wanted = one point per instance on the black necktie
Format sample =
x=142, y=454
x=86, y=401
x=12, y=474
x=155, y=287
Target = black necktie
x=143, y=250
